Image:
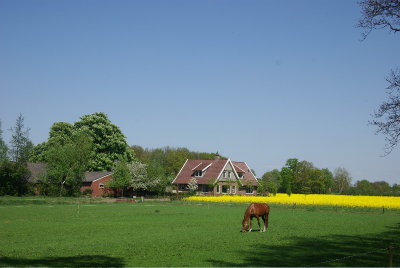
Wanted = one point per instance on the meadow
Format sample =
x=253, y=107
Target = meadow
x=90, y=233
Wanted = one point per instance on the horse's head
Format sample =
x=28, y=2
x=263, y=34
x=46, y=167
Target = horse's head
x=245, y=225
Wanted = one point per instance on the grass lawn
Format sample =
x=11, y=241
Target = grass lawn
x=188, y=234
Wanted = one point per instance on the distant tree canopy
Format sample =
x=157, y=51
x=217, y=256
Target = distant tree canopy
x=109, y=144
x=297, y=177
x=303, y=177
x=166, y=162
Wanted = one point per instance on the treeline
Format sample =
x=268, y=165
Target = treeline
x=380, y=188
x=302, y=177
x=92, y=143
x=167, y=161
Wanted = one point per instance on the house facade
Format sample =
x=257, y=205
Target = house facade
x=217, y=177
x=97, y=182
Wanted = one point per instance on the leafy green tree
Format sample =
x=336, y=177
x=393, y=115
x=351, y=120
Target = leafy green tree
x=13, y=178
x=289, y=174
x=381, y=188
x=61, y=133
x=21, y=145
x=109, y=142
x=67, y=163
x=327, y=181
x=3, y=147
x=304, y=173
x=38, y=153
x=363, y=187
x=122, y=177
x=286, y=180
x=270, y=181
x=395, y=190
x=174, y=160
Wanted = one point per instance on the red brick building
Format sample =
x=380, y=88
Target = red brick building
x=97, y=182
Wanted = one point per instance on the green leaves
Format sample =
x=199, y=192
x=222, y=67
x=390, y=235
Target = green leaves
x=108, y=142
x=67, y=163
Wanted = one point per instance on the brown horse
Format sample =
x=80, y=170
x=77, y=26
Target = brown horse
x=255, y=210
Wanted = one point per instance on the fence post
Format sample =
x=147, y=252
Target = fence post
x=390, y=256
x=383, y=209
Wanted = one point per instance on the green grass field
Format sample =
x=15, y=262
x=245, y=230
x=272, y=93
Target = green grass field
x=41, y=233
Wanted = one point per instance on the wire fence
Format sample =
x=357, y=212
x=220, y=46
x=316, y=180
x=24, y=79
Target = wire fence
x=389, y=251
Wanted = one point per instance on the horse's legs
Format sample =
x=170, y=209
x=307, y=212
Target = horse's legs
x=251, y=220
x=259, y=226
x=263, y=229
x=265, y=218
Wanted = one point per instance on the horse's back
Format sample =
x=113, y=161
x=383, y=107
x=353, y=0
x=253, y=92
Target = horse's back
x=258, y=209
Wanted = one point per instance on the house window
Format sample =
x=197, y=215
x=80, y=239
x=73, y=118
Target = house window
x=233, y=189
x=229, y=174
x=101, y=185
x=249, y=190
x=218, y=188
x=182, y=187
x=198, y=173
x=224, y=174
x=225, y=189
x=205, y=188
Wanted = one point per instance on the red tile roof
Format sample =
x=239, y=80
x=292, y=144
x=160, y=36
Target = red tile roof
x=213, y=170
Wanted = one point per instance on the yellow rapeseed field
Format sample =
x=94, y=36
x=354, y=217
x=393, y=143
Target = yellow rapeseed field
x=310, y=199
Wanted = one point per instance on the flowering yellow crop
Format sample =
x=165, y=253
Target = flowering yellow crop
x=311, y=199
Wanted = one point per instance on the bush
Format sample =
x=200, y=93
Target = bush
x=87, y=192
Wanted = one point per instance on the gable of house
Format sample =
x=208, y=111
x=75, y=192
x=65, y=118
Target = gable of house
x=209, y=172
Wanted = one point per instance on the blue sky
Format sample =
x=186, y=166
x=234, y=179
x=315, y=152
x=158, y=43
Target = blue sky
x=257, y=81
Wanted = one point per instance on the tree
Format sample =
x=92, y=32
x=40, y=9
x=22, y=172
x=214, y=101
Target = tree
x=3, y=147
x=21, y=145
x=38, y=153
x=270, y=181
x=192, y=185
x=387, y=118
x=342, y=180
x=289, y=174
x=109, y=142
x=327, y=179
x=67, y=163
x=122, y=177
x=377, y=14
x=13, y=178
x=140, y=181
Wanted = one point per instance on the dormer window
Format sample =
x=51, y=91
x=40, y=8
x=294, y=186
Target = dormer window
x=198, y=173
x=240, y=174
